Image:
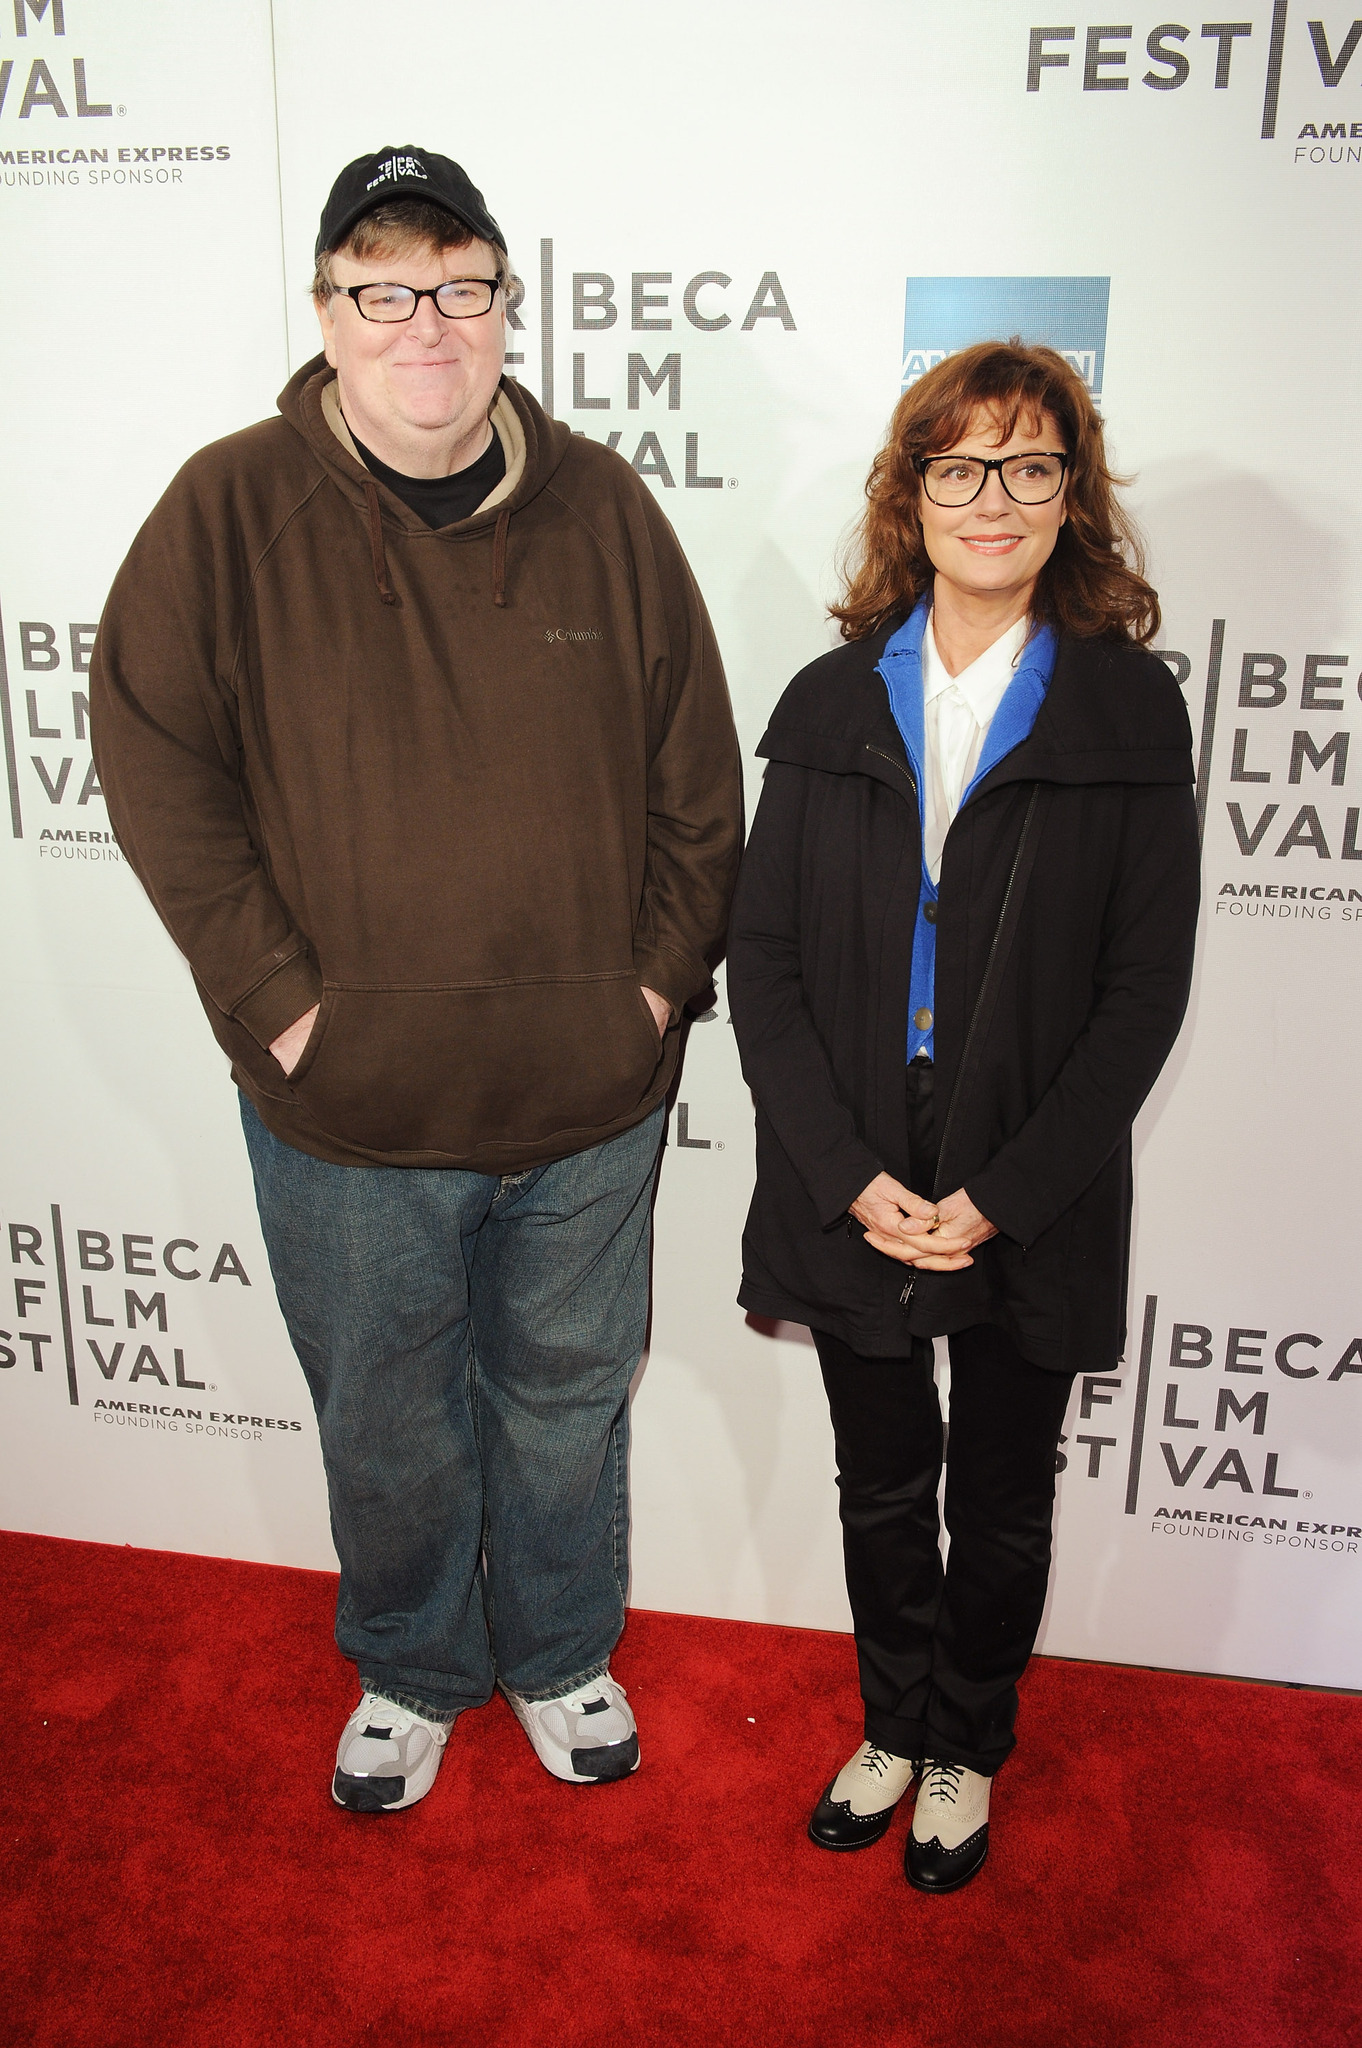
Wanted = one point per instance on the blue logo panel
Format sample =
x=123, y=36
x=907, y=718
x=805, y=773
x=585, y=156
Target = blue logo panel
x=943, y=314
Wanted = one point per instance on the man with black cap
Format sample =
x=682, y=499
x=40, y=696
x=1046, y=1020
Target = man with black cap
x=411, y=721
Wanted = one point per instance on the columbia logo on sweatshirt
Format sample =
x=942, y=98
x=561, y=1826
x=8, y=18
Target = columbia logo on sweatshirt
x=552, y=633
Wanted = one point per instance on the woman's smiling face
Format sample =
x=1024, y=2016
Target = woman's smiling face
x=994, y=547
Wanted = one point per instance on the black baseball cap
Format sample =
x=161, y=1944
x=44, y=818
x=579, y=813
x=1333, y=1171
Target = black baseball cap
x=403, y=172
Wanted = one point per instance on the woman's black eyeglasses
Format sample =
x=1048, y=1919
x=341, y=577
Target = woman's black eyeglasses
x=958, y=479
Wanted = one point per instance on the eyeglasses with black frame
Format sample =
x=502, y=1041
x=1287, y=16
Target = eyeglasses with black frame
x=955, y=480
x=458, y=298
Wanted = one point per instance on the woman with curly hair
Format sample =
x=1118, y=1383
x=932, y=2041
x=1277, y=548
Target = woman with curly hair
x=960, y=955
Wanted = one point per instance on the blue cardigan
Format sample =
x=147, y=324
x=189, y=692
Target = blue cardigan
x=900, y=666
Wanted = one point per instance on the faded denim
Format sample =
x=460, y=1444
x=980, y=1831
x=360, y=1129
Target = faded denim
x=468, y=1342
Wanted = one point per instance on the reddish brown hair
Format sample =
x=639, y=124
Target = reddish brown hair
x=1094, y=581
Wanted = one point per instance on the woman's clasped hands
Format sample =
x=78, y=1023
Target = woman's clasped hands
x=937, y=1236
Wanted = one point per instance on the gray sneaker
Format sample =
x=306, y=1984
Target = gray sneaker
x=387, y=1757
x=586, y=1737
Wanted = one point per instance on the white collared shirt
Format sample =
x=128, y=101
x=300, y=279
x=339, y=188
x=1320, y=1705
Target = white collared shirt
x=957, y=712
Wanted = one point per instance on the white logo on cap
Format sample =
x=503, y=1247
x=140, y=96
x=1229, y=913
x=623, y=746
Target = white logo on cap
x=398, y=167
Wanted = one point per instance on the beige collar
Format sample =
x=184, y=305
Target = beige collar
x=506, y=421
x=335, y=419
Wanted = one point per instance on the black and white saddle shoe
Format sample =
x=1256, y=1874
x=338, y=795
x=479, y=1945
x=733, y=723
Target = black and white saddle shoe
x=859, y=1804
x=948, y=1841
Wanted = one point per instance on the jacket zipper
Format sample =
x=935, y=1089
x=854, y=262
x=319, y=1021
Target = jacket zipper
x=1008, y=896
x=900, y=766
x=909, y=778
x=984, y=993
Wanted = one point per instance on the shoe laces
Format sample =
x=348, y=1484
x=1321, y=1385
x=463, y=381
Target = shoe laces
x=877, y=1760
x=599, y=1688
x=381, y=1713
x=943, y=1781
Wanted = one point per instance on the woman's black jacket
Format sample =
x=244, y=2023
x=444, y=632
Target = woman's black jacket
x=1089, y=974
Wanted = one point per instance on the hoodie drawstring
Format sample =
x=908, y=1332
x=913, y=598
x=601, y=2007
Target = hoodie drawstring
x=499, y=557
x=380, y=560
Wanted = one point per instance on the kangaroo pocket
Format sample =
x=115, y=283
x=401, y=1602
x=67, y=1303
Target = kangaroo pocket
x=455, y=1070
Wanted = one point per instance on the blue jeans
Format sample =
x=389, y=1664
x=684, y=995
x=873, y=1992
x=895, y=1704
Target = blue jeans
x=469, y=1342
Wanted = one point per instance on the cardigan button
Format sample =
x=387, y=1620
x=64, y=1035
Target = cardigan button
x=929, y=911
x=922, y=1020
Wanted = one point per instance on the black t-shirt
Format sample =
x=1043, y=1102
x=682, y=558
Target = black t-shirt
x=440, y=500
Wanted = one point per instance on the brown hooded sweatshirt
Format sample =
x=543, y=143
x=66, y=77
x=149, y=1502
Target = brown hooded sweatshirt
x=470, y=788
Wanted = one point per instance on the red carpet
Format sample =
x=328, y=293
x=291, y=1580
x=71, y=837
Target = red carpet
x=1175, y=1861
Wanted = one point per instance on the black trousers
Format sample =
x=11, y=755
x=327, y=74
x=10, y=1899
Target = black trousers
x=940, y=1648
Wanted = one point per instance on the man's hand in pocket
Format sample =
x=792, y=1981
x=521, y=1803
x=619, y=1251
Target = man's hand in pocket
x=288, y=1046
x=661, y=1009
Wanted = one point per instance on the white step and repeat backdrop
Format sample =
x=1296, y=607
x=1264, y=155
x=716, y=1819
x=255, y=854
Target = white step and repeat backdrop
x=741, y=229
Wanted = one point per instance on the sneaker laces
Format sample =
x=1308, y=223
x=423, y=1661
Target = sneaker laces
x=943, y=1781
x=382, y=1713
x=595, y=1689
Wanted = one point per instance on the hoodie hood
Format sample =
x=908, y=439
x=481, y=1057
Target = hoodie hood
x=534, y=445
